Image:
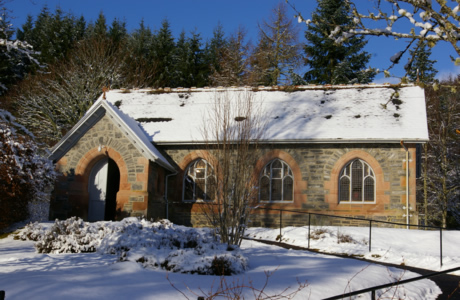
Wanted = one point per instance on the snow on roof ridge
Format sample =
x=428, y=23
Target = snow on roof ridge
x=261, y=88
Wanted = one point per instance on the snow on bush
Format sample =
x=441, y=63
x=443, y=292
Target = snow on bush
x=25, y=175
x=152, y=244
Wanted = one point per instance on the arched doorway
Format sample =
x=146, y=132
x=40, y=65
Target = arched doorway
x=103, y=186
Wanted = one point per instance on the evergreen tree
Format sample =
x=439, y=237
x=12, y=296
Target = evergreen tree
x=420, y=67
x=197, y=62
x=163, y=50
x=234, y=63
x=189, y=63
x=16, y=57
x=213, y=53
x=52, y=34
x=141, y=65
x=117, y=32
x=80, y=28
x=332, y=63
x=181, y=56
x=100, y=26
x=25, y=34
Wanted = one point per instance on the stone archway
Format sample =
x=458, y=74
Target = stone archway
x=103, y=186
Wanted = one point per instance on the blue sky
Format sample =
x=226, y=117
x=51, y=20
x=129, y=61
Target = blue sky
x=204, y=15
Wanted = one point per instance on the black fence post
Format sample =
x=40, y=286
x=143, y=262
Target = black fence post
x=440, y=244
x=281, y=220
x=370, y=235
x=2, y=295
x=373, y=295
x=309, y=222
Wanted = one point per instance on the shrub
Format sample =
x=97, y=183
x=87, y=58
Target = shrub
x=221, y=266
x=69, y=236
x=319, y=233
x=345, y=238
x=31, y=232
x=24, y=174
x=151, y=244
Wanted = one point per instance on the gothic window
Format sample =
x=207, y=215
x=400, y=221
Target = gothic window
x=199, y=181
x=357, y=182
x=276, y=182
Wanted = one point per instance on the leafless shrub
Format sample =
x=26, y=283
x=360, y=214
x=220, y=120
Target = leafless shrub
x=234, y=149
x=319, y=233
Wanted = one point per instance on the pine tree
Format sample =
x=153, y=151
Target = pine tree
x=214, y=51
x=181, y=62
x=100, y=26
x=197, y=61
x=332, y=63
x=163, y=50
x=140, y=65
x=278, y=50
x=117, y=32
x=234, y=63
x=52, y=34
x=420, y=67
x=16, y=57
x=25, y=33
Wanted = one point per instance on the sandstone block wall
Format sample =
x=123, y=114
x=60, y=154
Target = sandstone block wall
x=316, y=168
x=104, y=139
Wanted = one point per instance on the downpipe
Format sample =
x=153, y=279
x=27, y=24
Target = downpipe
x=166, y=193
x=407, y=183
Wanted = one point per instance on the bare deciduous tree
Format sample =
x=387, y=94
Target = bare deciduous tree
x=232, y=134
x=50, y=104
x=278, y=49
x=442, y=156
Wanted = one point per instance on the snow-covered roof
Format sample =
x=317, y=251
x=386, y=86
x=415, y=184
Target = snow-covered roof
x=306, y=114
x=134, y=133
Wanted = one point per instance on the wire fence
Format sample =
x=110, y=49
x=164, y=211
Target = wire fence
x=281, y=218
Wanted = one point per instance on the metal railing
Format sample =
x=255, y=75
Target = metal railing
x=369, y=221
x=373, y=289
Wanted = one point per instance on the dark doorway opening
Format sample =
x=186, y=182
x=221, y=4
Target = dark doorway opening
x=113, y=186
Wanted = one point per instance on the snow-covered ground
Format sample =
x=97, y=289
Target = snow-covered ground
x=26, y=274
x=416, y=248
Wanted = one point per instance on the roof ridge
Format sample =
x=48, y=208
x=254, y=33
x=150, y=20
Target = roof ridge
x=260, y=88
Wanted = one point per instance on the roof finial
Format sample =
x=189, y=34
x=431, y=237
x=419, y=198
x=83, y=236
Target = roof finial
x=104, y=89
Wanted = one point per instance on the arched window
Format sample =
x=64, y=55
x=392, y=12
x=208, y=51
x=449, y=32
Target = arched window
x=357, y=182
x=199, y=181
x=276, y=182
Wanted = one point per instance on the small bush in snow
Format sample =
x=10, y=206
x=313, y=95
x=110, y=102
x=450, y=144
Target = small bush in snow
x=70, y=236
x=345, y=238
x=153, y=245
x=31, y=232
x=319, y=233
x=221, y=266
